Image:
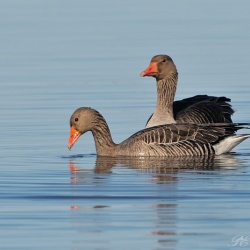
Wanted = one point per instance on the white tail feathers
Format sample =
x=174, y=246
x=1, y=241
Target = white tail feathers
x=229, y=143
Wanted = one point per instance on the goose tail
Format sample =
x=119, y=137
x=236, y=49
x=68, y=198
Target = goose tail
x=227, y=144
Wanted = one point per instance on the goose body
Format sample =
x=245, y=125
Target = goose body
x=198, y=109
x=165, y=140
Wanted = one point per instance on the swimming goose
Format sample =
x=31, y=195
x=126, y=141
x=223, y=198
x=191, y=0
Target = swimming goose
x=164, y=140
x=197, y=109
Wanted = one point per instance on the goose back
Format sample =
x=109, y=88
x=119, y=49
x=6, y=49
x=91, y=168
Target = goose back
x=203, y=109
x=178, y=139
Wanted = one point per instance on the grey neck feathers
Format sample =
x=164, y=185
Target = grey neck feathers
x=102, y=136
x=166, y=89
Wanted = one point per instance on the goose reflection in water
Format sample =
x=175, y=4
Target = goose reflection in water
x=166, y=168
x=147, y=188
x=104, y=165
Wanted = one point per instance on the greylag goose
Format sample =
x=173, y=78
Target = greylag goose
x=164, y=140
x=197, y=109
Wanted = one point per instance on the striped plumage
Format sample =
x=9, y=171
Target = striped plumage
x=197, y=109
x=164, y=140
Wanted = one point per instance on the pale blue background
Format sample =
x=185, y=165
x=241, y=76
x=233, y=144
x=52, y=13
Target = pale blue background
x=58, y=55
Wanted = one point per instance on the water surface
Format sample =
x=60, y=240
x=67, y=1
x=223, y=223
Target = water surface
x=56, y=56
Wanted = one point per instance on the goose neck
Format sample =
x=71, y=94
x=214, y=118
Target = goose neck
x=103, y=140
x=166, y=89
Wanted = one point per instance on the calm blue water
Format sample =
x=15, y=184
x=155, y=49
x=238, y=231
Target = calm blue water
x=56, y=56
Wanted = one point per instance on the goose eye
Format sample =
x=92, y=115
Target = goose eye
x=76, y=119
x=163, y=60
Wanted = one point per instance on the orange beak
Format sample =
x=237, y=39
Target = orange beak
x=151, y=70
x=73, y=137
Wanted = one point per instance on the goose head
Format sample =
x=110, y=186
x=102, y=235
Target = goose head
x=81, y=121
x=160, y=67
